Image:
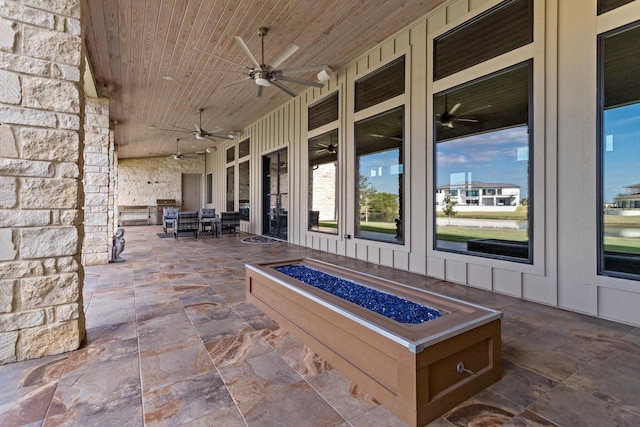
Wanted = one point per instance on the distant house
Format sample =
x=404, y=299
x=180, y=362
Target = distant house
x=481, y=194
x=630, y=199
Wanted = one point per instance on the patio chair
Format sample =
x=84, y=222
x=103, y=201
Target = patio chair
x=168, y=215
x=208, y=218
x=229, y=221
x=186, y=221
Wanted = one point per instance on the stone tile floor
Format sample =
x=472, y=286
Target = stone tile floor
x=171, y=342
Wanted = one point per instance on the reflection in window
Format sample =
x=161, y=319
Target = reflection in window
x=382, y=84
x=323, y=182
x=243, y=149
x=243, y=190
x=209, y=189
x=483, y=181
x=323, y=112
x=619, y=186
x=379, y=168
x=607, y=5
x=505, y=27
x=230, y=183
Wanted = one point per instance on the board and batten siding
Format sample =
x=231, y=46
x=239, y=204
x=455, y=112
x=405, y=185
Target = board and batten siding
x=564, y=53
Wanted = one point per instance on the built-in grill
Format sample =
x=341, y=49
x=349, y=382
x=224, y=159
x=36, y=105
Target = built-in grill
x=161, y=204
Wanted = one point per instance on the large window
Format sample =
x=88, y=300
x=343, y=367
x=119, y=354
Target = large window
x=483, y=168
x=323, y=112
x=323, y=182
x=243, y=190
x=499, y=30
x=209, y=189
x=230, y=186
x=619, y=153
x=243, y=179
x=380, y=174
x=607, y=5
x=380, y=85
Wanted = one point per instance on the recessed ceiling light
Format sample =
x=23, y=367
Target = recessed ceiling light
x=167, y=78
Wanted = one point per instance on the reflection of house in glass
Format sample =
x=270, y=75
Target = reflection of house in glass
x=476, y=194
x=630, y=199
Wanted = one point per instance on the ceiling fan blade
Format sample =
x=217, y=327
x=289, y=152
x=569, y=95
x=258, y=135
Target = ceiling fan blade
x=175, y=130
x=466, y=120
x=221, y=71
x=179, y=127
x=236, y=82
x=283, y=87
x=221, y=58
x=306, y=69
x=454, y=108
x=477, y=109
x=247, y=52
x=301, y=81
x=218, y=135
x=290, y=50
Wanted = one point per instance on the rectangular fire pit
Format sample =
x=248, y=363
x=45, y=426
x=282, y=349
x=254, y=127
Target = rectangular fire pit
x=419, y=371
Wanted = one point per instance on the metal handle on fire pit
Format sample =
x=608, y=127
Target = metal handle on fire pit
x=460, y=369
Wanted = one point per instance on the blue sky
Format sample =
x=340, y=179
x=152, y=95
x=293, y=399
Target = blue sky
x=621, y=149
x=498, y=157
x=382, y=169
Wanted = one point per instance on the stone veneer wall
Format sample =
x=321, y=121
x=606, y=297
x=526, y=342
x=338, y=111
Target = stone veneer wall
x=97, y=236
x=41, y=161
x=143, y=181
x=325, y=191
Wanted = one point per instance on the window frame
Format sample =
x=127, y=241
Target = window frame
x=320, y=130
x=403, y=99
x=542, y=140
x=600, y=177
x=476, y=193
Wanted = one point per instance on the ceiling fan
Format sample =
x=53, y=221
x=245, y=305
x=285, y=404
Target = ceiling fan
x=448, y=117
x=199, y=132
x=331, y=148
x=178, y=155
x=265, y=75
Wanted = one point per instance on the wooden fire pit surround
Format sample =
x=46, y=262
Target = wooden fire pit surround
x=418, y=371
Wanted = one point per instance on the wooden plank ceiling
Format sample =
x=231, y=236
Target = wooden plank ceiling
x=136, y=46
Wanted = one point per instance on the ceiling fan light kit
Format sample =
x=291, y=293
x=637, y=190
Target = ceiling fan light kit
x=325, y=75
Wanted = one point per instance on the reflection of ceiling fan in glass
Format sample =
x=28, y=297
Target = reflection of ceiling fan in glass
x=265, y=75
x=448, y=117
x=331, y=148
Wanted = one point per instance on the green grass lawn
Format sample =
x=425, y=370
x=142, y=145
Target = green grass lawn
x=462, y=234
x=520, y=214
x=622, y=244
x=630, y=221
x=378, y=227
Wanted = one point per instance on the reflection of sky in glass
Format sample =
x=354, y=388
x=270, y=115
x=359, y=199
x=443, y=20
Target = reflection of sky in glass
x=621, y=150
x=496, y=157
x=382, y=170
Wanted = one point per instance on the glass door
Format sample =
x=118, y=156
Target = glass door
x=275, y=194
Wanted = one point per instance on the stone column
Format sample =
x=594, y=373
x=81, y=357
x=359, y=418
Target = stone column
x=95, y=248
x=41, y=162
